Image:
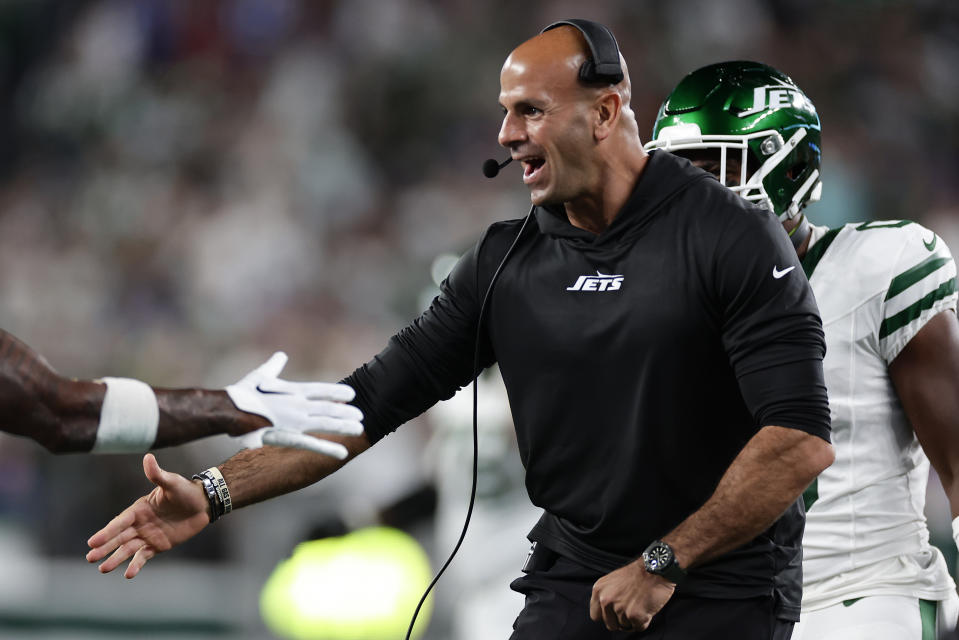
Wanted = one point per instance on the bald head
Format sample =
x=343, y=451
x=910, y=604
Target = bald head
x=578, y=143
x=558, y=55
x=555, y=58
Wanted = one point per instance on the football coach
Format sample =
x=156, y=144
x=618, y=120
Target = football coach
x=662, y=353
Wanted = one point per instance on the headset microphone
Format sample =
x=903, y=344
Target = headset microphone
x=491, y=167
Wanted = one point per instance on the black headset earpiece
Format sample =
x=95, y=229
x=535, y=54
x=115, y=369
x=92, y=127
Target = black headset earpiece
x=604, y=67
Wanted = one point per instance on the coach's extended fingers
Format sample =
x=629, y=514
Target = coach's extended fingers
x=111, y=546
x=140, y=558
x=122, y=553
x=117, y=532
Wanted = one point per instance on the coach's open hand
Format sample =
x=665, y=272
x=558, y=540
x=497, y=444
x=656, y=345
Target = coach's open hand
x=628, y=598
x=174, y=511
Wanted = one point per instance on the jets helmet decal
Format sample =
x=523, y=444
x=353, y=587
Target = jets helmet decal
x=749, y=114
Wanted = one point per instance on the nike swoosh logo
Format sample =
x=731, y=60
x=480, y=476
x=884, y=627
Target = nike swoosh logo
x=779, y=274
x=267, y=391
x=931, y=245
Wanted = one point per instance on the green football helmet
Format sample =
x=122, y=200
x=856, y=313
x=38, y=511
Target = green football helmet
x=754, y=109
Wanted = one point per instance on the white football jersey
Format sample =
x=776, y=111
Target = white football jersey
x=877, y=285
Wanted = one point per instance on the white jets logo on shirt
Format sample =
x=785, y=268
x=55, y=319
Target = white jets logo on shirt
x=779, y=274
x=599, y=282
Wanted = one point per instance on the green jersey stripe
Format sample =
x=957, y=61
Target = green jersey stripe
x=913, y=311
x=814, y=255
x=811, y=494
x=883, y=224
x=910, y=277
x=928, y=612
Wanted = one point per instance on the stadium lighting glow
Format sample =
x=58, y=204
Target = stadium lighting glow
x=361, y=586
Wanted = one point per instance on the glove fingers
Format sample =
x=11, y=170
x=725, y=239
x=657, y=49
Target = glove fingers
x=311, y=390
x=272, y=367
x=283, y=438
x=329, y=391
x=325, y=424
x=254, y=439
x=321, y=408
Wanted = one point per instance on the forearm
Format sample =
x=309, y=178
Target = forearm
x=67, y=416
x=935, y=419
x=63, y=414
x=767, y=476
x=926, y=377
x=37, y=403
x=254, y=475
x=189, y=414
x=951, y=487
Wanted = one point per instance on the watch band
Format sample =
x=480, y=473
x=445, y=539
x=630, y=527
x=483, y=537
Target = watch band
x=674, y=573
x=660, y=560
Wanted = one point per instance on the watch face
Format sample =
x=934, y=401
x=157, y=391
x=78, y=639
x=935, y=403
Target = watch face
x=658, y=557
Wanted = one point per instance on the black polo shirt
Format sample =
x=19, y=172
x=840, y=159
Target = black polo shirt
x=638, y=363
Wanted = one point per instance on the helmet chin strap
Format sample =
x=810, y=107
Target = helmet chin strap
x=800, y=232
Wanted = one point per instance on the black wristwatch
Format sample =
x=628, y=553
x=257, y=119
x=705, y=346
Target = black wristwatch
x=660, y=560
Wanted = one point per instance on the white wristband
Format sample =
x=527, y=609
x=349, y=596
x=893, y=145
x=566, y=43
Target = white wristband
x=955, y=531
x=223, y=491
x=128, y=418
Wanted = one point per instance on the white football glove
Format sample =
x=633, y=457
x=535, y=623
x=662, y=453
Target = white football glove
x=295, y=409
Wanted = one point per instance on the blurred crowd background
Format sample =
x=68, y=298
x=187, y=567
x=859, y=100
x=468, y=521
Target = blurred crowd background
x=187, y=186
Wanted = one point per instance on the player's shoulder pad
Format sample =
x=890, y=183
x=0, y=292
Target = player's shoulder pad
x=904, y=241
x=922, y=242
x=882, y=253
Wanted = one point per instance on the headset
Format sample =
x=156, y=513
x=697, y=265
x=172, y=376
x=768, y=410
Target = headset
x=602, y=68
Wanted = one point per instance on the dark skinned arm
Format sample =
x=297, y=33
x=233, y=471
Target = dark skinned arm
x=926, y=377
x=62, y=414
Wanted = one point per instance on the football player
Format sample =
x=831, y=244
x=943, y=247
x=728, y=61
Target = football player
x=123, y=415
x=887, y=295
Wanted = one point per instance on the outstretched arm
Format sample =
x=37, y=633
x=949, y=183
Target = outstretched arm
x=767, y=476
x=428, y=360
x=65, y=415
x=36, y=402
x=926, y=377
x=177, y=508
